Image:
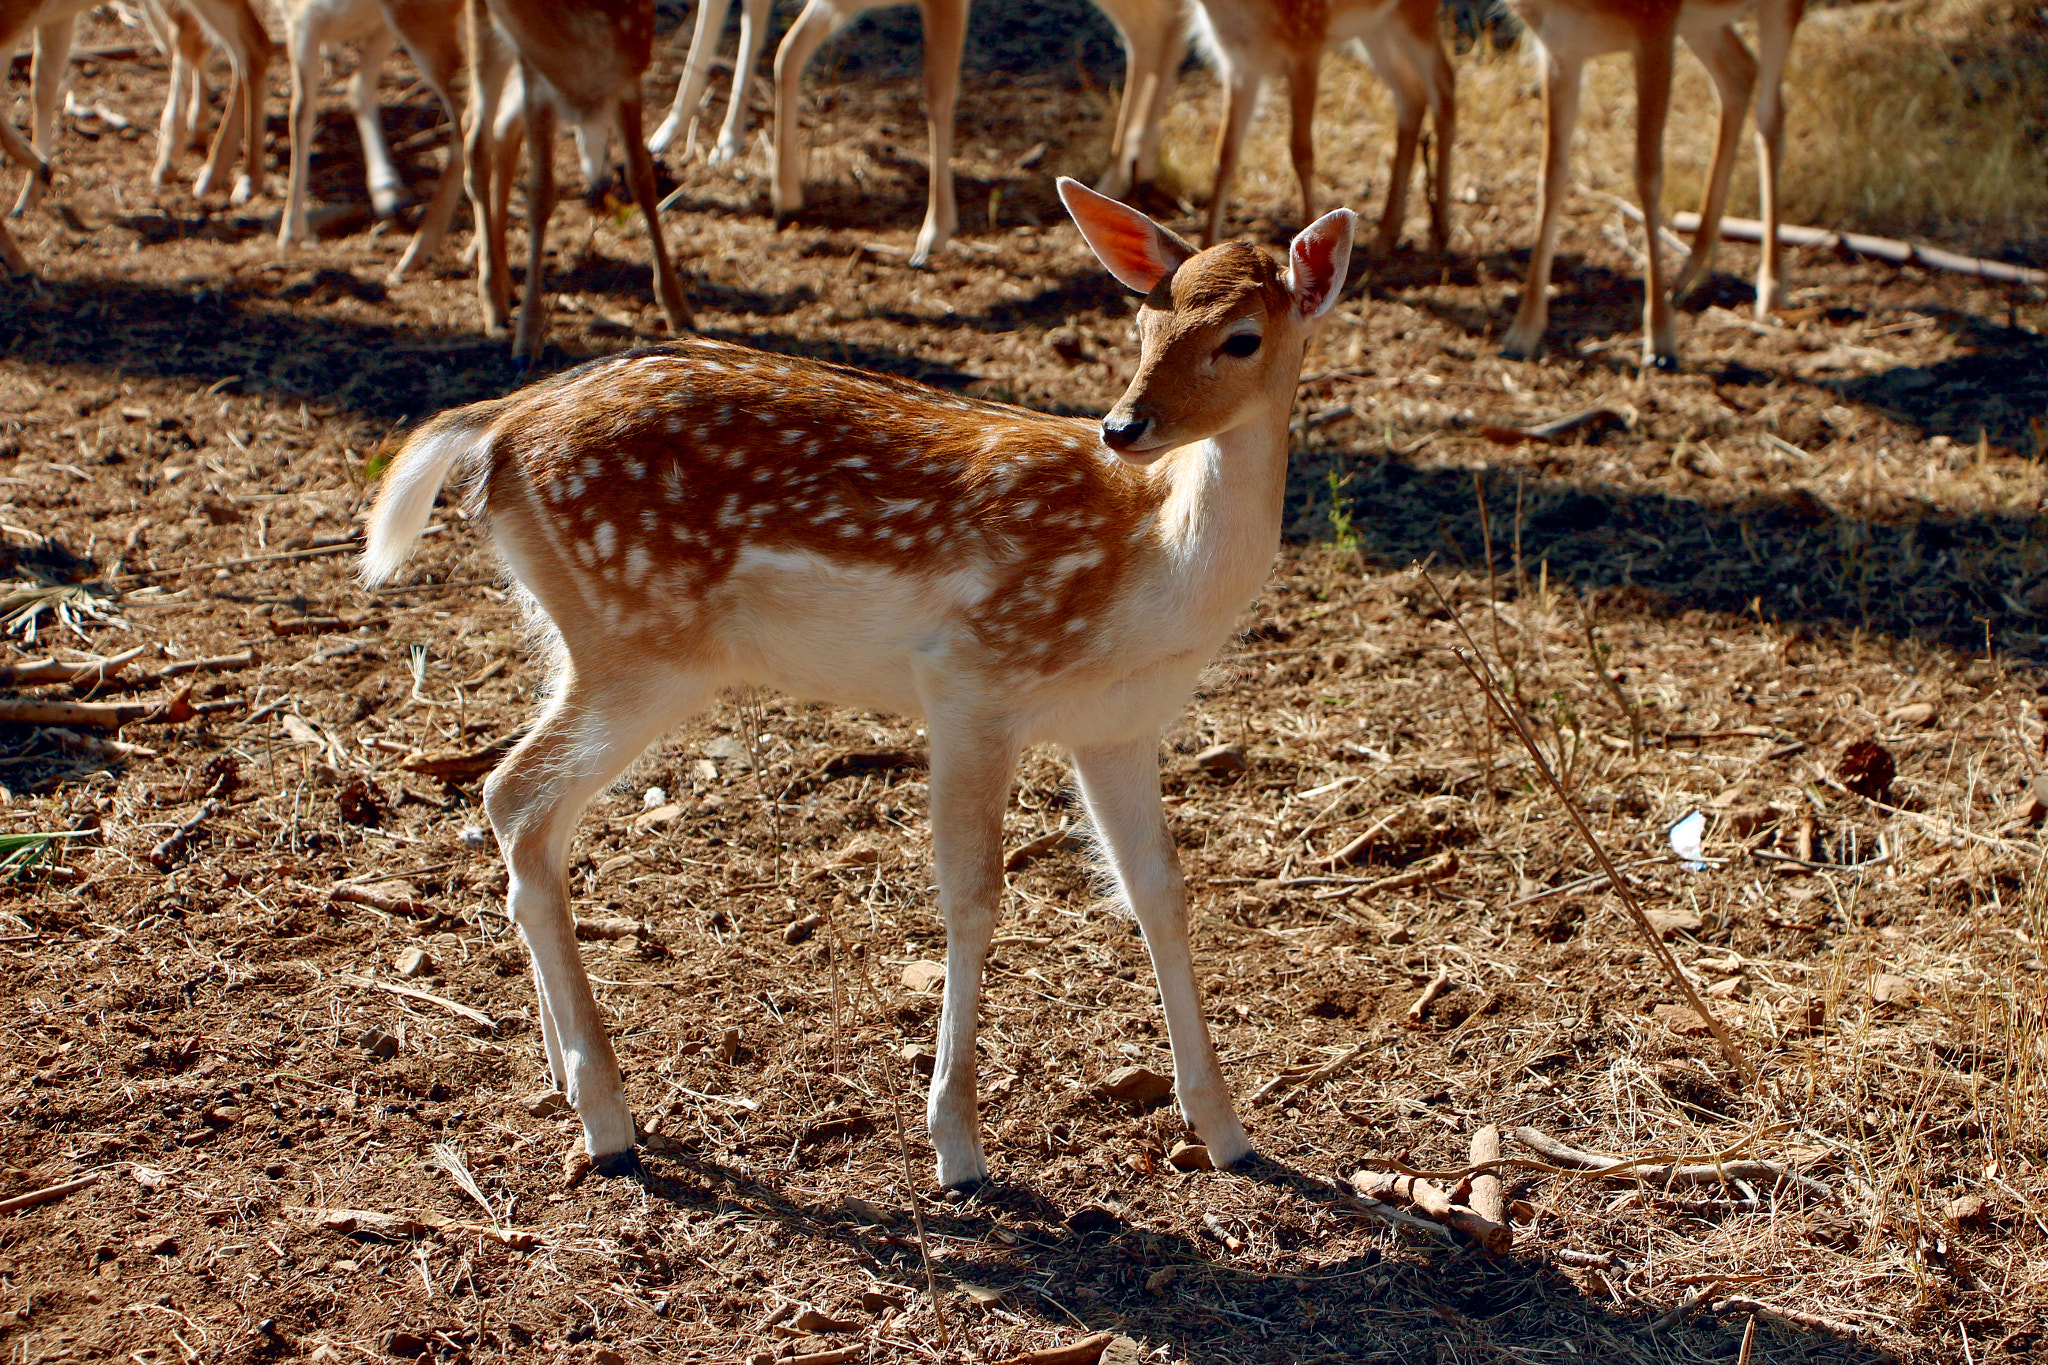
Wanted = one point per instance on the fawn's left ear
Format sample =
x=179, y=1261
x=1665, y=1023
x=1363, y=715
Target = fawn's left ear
x=1132, y=247
x=1317, y=260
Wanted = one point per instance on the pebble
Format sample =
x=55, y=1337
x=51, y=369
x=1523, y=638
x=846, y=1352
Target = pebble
x=924, y=976
x=414, y=962
x=728, y=1046
x=1140, y=1085
x=1191, y=1156
x=548, y=1104
x=801, y=929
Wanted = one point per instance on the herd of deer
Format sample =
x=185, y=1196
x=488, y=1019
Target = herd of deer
x=525, y=61
x=698, y=515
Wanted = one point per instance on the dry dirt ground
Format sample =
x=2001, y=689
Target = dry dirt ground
x=1826, y=529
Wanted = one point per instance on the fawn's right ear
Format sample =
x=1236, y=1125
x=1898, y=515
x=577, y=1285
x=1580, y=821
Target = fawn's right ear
x=1132, y=247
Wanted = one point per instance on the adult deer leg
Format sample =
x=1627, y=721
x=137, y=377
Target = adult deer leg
x=47, y=70
x=589, y=734
x=945, y=39
x=1524, y=337
x=1301, y=127
x=819, y=20
x=1392, y=59
x=971, y=766
x=1240, y=98
x=436, y=48
x=386, y=184
x=1152, y=35
x=1734, y=73
x=1120, y=786
x=1654, y=54
x=640, y=179
x=732, y=134
x=540, y=206
x=490, y=67
x=1775, y=22
x=682, y=111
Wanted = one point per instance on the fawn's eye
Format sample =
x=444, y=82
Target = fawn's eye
x=1241, y=345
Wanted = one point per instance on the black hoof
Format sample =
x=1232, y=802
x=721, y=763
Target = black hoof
x=1667, y=363
x=965, y=1190
x=616, y=1164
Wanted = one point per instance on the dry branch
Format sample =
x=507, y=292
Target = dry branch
x=49, y=1194
x=95, y=747
x=1427, y=1199
x=167, y=852
x=100, y=715
x=220, y=663
x=1486, y=1196
x=1656, y=1171
x=1482, y=674
x=1308, y=1075
x=424, y=997
x=1863, y=244
x=396, y=1226
x=1086, y=1351
x=42, y=672
x=1417, y=1011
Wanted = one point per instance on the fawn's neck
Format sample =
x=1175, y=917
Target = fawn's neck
x=1220, y=520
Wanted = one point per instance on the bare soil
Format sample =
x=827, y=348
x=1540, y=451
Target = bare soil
x=1826, y=529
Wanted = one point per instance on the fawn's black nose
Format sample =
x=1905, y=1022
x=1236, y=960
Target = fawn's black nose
x=1121, y=431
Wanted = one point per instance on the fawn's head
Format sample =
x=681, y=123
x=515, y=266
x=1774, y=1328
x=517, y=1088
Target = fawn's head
x=1221, y=330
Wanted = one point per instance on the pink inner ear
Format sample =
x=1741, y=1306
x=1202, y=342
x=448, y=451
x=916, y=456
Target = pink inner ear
x=1129, y=245
x=1320, y=255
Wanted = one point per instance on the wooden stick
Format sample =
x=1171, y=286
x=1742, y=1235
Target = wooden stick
x=1795, y=1317
x=1086, y=1351
x=49, y=1194
x=1486, y=1197
x=1659, y=1172
x=101, y=715
x=1481, y=673
x=1863, y=244
x=342, y=547
x=40, y=672
x=220, y=663
x=1416, y=1011
x=423, y=997
x=94, y=746
x=1430, y=1200
x=166, y=853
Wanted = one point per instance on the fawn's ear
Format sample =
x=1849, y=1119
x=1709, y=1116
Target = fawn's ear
x=1317, y=261
x=1132, y=247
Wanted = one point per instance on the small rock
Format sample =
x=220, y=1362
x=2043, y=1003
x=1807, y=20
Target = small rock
x=1224, y=760
x=1191, y=1156
x=1887, y=989
x=1685, y=1021
x=657, y=815
x=727, y=1047
x=548, y=1104
x=414, y=962
x=875, y=1301
x=726, y=749
x=801, y=929
x=224, y=1115
x=652, y=797
x=1919, y=713
x=575, y=1167
x=380, y=1044
x=156, y=1244
x=1138, y=1084
x=607, y=1357
x=924, y=976
x=1158, y=1280
x=1967, y=1211
x=873, y=1214
x=1121, y=1351
x=405, y=1344
x=1669, y=922
x=917, y=1059
x=981, y=1294
x=476, y=836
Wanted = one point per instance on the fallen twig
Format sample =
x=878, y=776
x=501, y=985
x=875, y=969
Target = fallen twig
x=167, y=852
x=1486, y=1197
x=395, y=1226
x=49, y=1194
x=41, y=672
x=1482, y=674
x=1416, y=1011
x=221, y=663
x=1661, y=1171
x=1685, y=1308
x=1793, y=1317
x=1437, y=1205
x=95, y=747
x=101, y=715
x=424, y=997
x=1863, y=244
x=342, y=547
x=1308, y=1075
